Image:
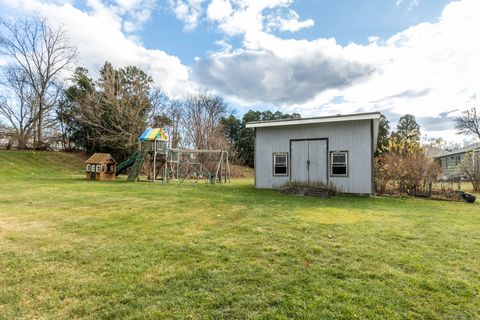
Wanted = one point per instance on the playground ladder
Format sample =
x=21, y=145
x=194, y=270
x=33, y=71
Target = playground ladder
x=137, y=166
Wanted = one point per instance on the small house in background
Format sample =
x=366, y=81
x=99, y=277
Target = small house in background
x=336, y=151
x=451, y=161
x=101, y=166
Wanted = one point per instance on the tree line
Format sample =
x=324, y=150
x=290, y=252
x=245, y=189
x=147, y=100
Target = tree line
x=106, y=113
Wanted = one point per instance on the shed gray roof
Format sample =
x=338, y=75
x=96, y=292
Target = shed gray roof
x=325, y=119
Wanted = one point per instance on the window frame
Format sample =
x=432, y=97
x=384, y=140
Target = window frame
x=274, y=164
x=347, y=169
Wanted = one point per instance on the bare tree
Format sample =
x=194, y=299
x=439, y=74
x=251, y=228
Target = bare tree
x=202, y=115
x=42, y=53
x=171, y=121
x=161, y=114
x=17, y=105
x=471, y=168
x=176, y=114
x=469, y=122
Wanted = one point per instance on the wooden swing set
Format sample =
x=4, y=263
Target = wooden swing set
x=177, y=165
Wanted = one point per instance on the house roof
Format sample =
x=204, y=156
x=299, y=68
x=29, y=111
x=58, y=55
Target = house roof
x=472, y=147
x=99, y=158
x=326, y=119
x=433, y=152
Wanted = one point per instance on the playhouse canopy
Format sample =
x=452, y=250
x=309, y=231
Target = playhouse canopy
x=152, y=134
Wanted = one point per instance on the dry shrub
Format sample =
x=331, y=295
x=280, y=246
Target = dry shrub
x=386, y=170
x=238, y=171
x=406, y=162
x=418, y=169
x=447, y=195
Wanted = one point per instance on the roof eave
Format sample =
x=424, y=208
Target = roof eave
x=106, y=157
x=291, y=122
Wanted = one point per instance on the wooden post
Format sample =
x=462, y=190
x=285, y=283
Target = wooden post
x=165, y=170
x=225, y=165
x=228, y=168
x=154, y=159
x=216, y=172
x=221, y=167
x=218, y=168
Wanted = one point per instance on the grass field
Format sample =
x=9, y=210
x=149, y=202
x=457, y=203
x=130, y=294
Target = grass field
x=72, y=248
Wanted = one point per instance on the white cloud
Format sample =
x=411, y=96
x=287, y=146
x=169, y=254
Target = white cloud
x=425, y=70
x=239, y=16
x=218, y=10
x=411, y=3
x=188, y=11
x=99, y=34
x=283, y=76
x=288, y=22
x=224, y=46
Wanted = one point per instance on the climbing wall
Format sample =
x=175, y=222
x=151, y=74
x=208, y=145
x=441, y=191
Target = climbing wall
x=137, y=166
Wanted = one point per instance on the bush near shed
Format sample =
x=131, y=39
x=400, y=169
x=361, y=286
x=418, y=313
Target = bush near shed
x=404, y=163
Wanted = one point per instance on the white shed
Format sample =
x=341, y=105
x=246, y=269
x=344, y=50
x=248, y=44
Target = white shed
x=336, y=151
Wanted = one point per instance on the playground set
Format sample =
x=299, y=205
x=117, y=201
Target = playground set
x=172, y=164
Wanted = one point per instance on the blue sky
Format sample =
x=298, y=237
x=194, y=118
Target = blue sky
x=315, y=57
x=345, y=20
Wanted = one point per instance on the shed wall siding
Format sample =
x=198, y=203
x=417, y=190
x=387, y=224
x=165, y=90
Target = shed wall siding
x=354, y=137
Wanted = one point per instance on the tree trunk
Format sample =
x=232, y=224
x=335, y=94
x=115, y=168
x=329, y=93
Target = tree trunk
x=40, y=127
x=22, y=143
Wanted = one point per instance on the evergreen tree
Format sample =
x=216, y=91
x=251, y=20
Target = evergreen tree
x=408, y=128
x=383, y=134
x=107, y=116
x=243, y=139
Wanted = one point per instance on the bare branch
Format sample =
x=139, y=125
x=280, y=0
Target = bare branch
x=42, y=53
x=469, y=122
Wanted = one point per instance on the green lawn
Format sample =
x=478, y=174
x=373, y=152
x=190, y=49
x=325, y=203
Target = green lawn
x=72, y=248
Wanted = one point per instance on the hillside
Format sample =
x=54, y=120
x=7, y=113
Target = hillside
x=40, y=164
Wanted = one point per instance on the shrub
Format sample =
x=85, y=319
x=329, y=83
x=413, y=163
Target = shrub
x=405, y=161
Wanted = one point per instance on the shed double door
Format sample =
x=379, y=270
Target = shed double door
x=309, y=162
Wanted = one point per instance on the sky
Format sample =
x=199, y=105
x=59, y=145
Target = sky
x=314, y=57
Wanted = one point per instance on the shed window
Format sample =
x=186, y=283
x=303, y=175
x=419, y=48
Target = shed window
x=339, y=163
x=88, y=168
x=280, y=164
x=98, y=168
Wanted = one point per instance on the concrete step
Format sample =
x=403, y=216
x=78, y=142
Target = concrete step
x=308, y=191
